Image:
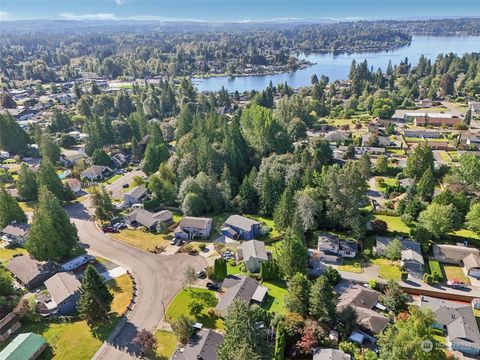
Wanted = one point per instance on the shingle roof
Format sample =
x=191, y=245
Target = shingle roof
x=255, y=249
x=202, y=345
x=330, y=354
x=243, y=290
x=18, y=229
x=7, y=322
x=24, y=346
x=137, y=192
x=411, y=255
x=471, y=261
x=453, y=252
x=25, y=268
x=195, y=222
x=147, y=218
x=62, y=285
x=241, y=222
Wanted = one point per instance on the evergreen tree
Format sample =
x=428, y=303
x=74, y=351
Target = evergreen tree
x=48, y=177
x=426, y=185
x=247, y=194
x=95, y=297
x=100, y=157
x=285, y=211
x=419, y=161
x=322, y=301
x=52, y=236
x=49, y=149
x=154, y=156
x=12, y=137
x=280, y=344
x=220, y=268
x=297, y=298
x=102, y=203
x=10, y=211
x=292, y=256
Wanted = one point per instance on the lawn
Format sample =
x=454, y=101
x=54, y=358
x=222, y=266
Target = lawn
x=233, y=270
x=166, y=344
x=140, y=239
x=395, y=223
x=445, y=156
x=274, y=301
x=113, y=178
x=27, y=206
x=434, y=267
x=179, y=306
x=351, y=265
x=7, y=254
x=455, y=273
x=387, y=269
x=382, y=185
x=75, y=340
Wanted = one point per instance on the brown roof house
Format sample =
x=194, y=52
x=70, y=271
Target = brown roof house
x=459, y=322
x=31, y=273
x=8, y=325
x=202, y=346
x=467, y=257
x=16, y=233
x=63, y=294
x=193, y=227
x=242, y=288
x=366, y=304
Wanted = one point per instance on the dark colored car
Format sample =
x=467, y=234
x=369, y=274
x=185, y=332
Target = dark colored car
x=125, y=186
x=110, y=229
x=201, y=274
x=212, y=286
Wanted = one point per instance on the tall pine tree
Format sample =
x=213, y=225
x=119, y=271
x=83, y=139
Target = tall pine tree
x=9, y=209
x=95, y=297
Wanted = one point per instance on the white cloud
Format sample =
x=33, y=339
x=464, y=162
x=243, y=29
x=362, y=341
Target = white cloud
x=4, y=15
x=120, y=2
x=99, y=16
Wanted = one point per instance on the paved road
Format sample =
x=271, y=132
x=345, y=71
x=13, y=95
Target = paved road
x=158, y=278
x=116, y=187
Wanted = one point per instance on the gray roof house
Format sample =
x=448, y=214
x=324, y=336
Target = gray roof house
x=253, y=253
x=134, y=195
x=332, y=245
x=364, y=301
x=459, y=322
x=412, y=258
x=238, y=226
x=148, y=219
x=193, y=227
x=64, y=291
x=15, y=233
x=30, y=272
x=460, y=255
x=202, y=345
x=330, y=354
x=96, y=172
x=242, y=288
x=336, y=136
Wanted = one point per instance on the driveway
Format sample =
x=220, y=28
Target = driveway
x=117, y=186
x=158, y=280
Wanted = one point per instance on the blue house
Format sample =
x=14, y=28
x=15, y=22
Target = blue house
x=240, y=227
x=64, y=293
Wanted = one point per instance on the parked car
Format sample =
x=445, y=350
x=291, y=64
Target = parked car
x=201, y=274
x=120, y=226
x=125, y=186
x=117, y=220
x=212, y=286
x=228, y=255
x=457, y=284
x=179, y=242
x=110, y=229
x=173, y=241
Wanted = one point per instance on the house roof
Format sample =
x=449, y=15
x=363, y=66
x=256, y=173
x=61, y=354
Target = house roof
x=195, y=222
x=24, y=346
x=411, y=255
x=94, y=170
x=330, y=354
x=471, y=261
x=202, y=345
x=453, y=252
x=336, y=136
x=241, y=222
x=26, y=269
x=74, y=182
x=147, y=218
x=18, y=229
x=137, y=192
x=255, y=249
x=243, y=290
x=7, y=322
x=458, y=318
x=62, y=285
x=328, y=242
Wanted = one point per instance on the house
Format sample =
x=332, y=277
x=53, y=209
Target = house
x=474, y=107
x=424, y=103
x=422, y=134
x=330, y=244
x=16, y=233
x=193, y=227
x=134, y=195
x=242, y=288
x=337, y=136
x=330, y=354
x=148, y=219
x=241, y=227
x=467, y=257
x=202, y=345
x=31, y=273
x=27, y=346
x=433, y=119
x=411, y=255
x=372, y=140
x=8, y=325
x=471, y=140
x=96, y=172
x=20, y=114
x=75, y=185
x=119, y=159
x=459, y=322
x=407, y=182
x=63, y=294
x=253, y=253
x=365, y=302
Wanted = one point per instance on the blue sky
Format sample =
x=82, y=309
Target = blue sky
x=234, y=10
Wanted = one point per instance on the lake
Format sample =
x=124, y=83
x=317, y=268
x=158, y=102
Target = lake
x=337, y=67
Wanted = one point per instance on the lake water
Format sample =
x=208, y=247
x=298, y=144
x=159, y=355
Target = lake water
x=336, y=67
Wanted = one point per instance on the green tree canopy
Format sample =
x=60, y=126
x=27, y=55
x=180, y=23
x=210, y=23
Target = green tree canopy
x=95, y=297
x=438, y=219
x=10, y=211
x=292, y=255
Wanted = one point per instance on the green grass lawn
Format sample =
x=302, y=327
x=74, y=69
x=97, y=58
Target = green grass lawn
x=277, y=289
x=113, y=178
x=75, y=340
x=233, y=270
x=179, y=306
x=7, y=254
x=445, y=156
x=166, y=344
x=387, y=269
x=27, y=206
x=395, y=223
x=382, y=185
x=455, y=273
x=143, y=240
x=351, y=265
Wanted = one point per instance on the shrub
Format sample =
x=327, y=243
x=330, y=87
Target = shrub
x=373, y=284
x=202, y=246
x=367, y=252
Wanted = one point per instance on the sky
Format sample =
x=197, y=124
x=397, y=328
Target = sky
x=235, y=10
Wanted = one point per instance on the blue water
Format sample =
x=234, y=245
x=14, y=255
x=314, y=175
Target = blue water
x=336, y=67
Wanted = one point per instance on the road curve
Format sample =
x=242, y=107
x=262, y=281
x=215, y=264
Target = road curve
x=158, y=278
